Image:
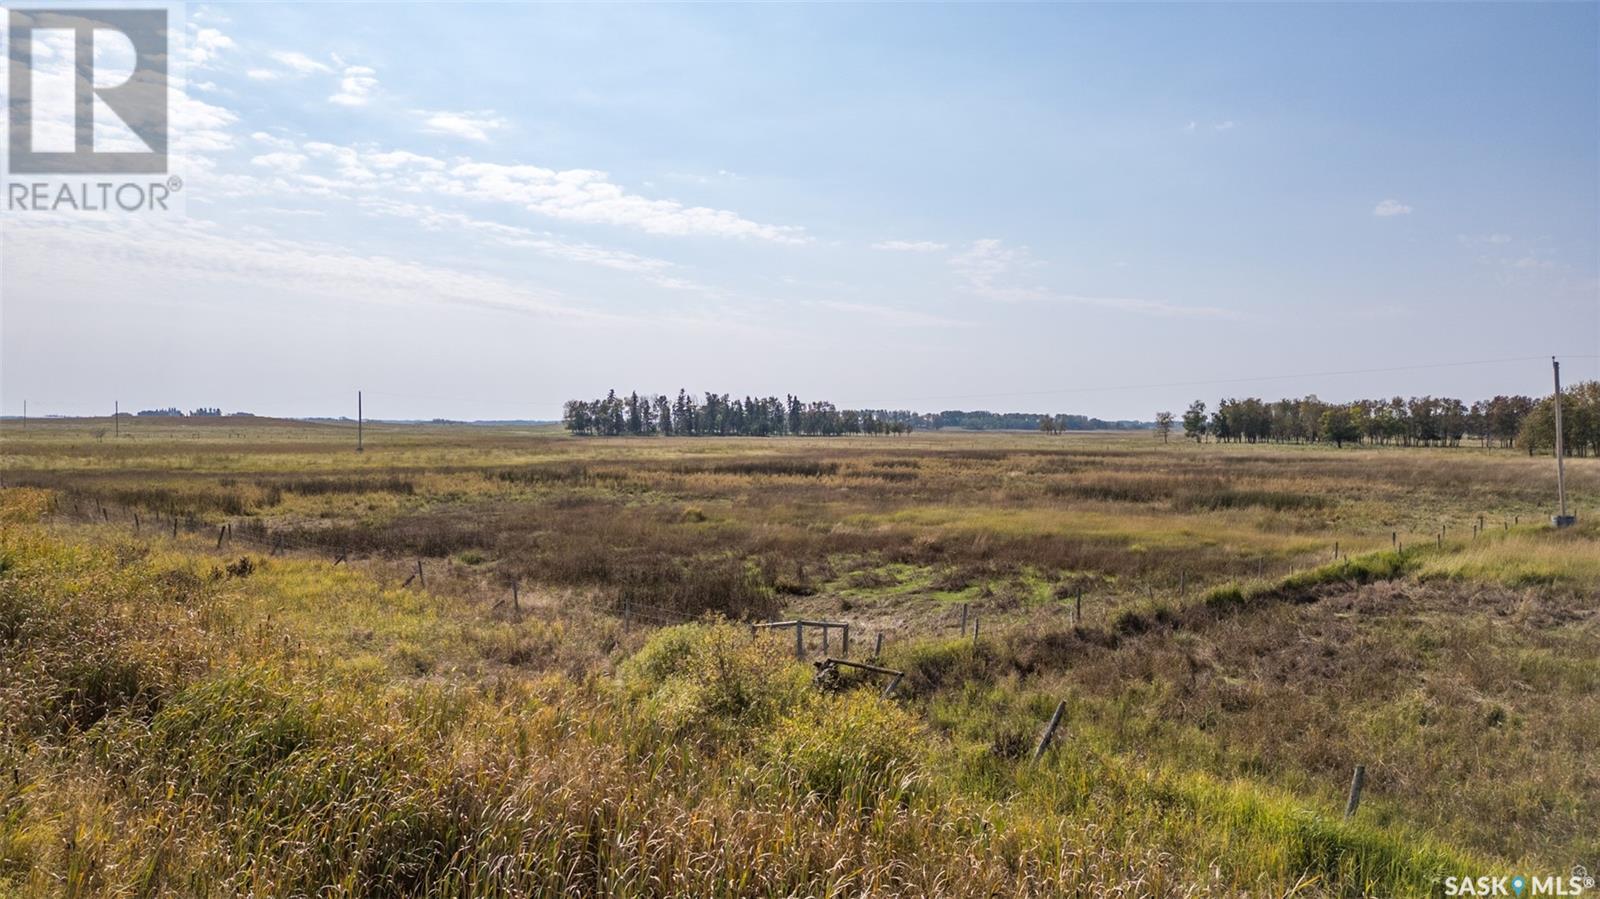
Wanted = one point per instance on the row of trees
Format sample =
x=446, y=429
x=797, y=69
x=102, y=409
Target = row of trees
x=1419, y=421
x=721, y=416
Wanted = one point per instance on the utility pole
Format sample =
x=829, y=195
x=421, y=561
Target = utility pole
x=116, y=418
x=1562, y=519
x=359, y=447
x=24, y=415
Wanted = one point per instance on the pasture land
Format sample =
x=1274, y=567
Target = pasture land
x=251, y=690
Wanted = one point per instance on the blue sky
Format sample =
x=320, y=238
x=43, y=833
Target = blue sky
x=478, y=210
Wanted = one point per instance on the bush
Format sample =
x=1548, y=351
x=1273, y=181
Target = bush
x=852, y=748
x=711, y=681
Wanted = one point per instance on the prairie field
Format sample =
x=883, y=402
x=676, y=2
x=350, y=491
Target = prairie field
x=238, y=657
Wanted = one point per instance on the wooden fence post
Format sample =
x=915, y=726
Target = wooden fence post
x=825, y=630
x=974, y=630
x=799, y=640
x=422, y=580
x=1357, y=781
x=963, y=619
x=221, y=532
x=1049, y=730
x=1077, y=610
x=516, y=601
x=844, y=646
x=877, y=650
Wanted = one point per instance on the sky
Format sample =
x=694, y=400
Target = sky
x=477, y=211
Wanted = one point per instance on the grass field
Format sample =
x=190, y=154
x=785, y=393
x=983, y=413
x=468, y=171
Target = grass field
x=186, y=714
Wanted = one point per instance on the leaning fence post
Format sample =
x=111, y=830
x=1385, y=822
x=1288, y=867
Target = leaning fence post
x=422, y=581
x=1357, y=781
x=889, y=690
x=221, y=532
x=1049, y=730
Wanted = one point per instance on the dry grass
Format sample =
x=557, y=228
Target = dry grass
x=186, y=720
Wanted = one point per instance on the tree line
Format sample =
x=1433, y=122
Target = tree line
x=1506, y=421
x=718, y=415
x=721, y=415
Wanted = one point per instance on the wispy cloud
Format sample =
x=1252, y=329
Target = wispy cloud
x=298, y=63
x=356, y=86
x=910, y=246
x=473, y=126
x=1389, y=208
x=988, y=268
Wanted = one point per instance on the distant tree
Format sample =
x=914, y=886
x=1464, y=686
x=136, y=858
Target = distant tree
x=1340, y=426
x=1164, y=425
x=1194, y=421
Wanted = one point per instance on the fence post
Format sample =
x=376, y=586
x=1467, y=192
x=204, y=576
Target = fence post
x=174, y=526
x=1336, y=550
x=220, y=533
x=844, y=646
x=516, y=601
x=1049, y=730
x=1077, y=610
x=877, y=650
x=1357, y=781
x=422, y=580
x=825, y=630
x=963, y=619
x=799, y=640
x=974, y=630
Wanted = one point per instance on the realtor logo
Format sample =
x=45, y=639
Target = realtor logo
x=135, y=91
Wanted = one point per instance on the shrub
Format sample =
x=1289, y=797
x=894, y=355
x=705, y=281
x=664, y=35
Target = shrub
x=710, y=680
x=851, y=747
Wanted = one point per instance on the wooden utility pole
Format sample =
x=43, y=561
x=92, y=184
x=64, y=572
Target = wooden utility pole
x=116, y=418
x=1562, y=519
x=359, y=447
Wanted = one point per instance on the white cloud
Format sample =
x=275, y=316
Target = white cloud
x=1390, y=208
x=1224, y=126
x=299, y=63
x=356, y=87
x=589, y=196
x=280, y=162
x=524, y=238
x=261, y=74
x=910, y=246
x=474, y=126
x=205, y=44
x=987, y=267
x=155, y=252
